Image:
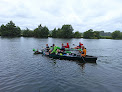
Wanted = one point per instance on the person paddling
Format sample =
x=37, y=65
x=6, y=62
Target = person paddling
x=62, y=49
x=79, y=47
x=47, y=48
x=54, y=50
x=83, y=53
x=67, y=46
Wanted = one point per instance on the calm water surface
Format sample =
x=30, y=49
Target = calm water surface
x=22, y=71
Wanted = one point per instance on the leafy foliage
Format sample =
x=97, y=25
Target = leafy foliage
x=77, y=34
x=28, y=33
x=120, y=35
x=102, y=33
x=65, y=32
x=96, y=34
x=116, y=34
x=41, y=32
x=54, y=33
x=90, y=34
x=10, y=30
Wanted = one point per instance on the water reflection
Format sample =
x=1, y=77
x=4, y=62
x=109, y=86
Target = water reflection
x=82, y=65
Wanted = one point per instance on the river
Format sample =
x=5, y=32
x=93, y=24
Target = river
x=22, y=71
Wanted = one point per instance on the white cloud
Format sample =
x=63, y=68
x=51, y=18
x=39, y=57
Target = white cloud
x=81, y=14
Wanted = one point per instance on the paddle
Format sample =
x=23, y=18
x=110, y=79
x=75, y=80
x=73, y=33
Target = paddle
x=83, y=59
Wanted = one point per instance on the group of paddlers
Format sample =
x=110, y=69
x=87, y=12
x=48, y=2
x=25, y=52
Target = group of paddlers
x=55, y=49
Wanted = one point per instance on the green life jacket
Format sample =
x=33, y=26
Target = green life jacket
x=54, y=49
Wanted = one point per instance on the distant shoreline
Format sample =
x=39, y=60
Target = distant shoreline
x=102, y=37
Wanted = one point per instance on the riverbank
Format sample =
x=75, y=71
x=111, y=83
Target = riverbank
x=102, y=37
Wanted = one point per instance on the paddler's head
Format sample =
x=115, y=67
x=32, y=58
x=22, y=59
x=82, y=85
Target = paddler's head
x=83, y=47
x=46, y=44
x=62, y=44
x=79, y=43
x=53, y=45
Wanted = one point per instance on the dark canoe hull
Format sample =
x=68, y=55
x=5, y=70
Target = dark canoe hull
x=87, y=59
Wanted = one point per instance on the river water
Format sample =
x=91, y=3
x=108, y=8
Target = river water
x=22, y=71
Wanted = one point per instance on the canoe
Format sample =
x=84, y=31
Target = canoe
x=68, y=56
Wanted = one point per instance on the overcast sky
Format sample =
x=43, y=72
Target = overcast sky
x=81, y=14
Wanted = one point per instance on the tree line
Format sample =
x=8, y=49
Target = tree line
x=66, y=31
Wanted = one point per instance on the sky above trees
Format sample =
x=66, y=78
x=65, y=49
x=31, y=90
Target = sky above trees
x=81, y=14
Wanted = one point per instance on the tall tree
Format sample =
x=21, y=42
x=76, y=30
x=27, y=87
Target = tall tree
x=54, y=33
x=77, y=34
x=88, y=34
x=59, y=33
x=44, y=32
x=67, y=31
x=116, y=34
x=28, y=33
x=10, y=30
x=41, y=32
x=96, y=34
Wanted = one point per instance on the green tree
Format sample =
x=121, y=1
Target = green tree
x=37, y=31
x=67, y=31
x=88, y=34
x=0, y=30
x=120, y=35
x=28, y=33
x=50, y=34
x=54, y=33
x=41, y=32
x=10, y=30
x=59, y=33
x=44, y=32
x=116, y=34
x=96, y=34
x=77, y=34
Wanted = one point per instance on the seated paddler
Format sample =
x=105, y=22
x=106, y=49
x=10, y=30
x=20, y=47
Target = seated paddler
x=79, y=46
x=47, y=48
x=83, y=53
x=67, y=46
x=62, y=49
x=54, y=50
